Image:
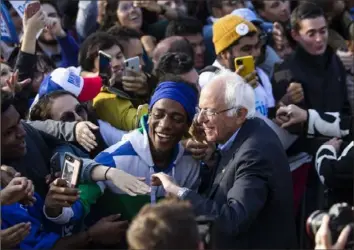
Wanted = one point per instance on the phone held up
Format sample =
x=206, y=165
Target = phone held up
x=32, y=8
x=71, y=169
x=105, y=72
x=248, y=65
x=132, y=64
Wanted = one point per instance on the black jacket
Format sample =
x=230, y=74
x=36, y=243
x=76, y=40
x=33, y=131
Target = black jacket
x=336, y=173
x=251, y=193
x=323, y=79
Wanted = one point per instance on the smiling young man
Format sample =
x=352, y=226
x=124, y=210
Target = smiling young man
x=156, y=147
x=319, y=72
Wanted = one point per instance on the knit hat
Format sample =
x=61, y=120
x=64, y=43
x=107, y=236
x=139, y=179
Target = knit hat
x=68, y=79
x=228, y=30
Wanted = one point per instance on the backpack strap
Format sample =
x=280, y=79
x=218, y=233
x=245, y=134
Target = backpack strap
x=209, y=68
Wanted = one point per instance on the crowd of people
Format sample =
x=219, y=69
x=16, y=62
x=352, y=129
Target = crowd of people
x=189, y=137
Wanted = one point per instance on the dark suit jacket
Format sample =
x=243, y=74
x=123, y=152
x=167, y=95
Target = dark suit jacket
x=251, y=195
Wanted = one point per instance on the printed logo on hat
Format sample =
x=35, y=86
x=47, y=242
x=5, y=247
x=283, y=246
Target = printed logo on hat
x=242, y=29
x=74, y=79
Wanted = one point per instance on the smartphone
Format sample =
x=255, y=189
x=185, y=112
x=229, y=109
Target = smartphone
x=247, y=62
x=133, y=64
x=32, y=8
x=71, y=169
x=104, y=66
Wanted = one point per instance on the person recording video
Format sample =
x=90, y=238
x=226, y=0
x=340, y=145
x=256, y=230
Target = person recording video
x=336, y=170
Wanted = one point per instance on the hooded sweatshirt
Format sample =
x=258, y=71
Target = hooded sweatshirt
x=133, y=155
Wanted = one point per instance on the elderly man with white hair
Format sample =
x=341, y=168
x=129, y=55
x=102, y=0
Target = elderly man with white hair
x=250, y=193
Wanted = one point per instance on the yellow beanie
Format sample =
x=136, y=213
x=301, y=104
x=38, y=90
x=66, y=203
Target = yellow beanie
x=228, y=30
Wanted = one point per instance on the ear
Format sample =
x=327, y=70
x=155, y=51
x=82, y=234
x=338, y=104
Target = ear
x=295, y=35
x=241, y=115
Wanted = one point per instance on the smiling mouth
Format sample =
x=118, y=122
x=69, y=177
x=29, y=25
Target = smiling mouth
x=164, y=137
x=134, y=17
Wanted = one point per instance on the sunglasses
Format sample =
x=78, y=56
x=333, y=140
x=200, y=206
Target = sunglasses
x=70, y=116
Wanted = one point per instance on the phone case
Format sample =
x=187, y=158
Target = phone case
x=247, y=62
x=133, y=63
x=75, y=169
x=32, y=9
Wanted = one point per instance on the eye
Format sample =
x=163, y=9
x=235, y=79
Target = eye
x=157, y=115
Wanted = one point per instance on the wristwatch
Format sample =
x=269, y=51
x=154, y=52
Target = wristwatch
x=182, y=192
x=162, y=10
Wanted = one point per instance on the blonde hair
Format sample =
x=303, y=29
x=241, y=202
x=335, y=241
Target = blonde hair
x=170, y=224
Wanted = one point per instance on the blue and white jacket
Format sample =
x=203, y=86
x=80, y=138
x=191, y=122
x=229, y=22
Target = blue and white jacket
x=133, y=156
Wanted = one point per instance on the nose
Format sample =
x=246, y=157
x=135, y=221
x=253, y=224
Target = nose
x=201, y=117
x=165, y=123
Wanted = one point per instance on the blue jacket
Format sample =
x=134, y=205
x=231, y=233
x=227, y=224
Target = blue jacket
x=69, y=52
x=39, y=237
x=44, y=233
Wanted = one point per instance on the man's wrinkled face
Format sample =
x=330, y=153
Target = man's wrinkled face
x=168, y=123
x=276, y=10
x=197, y=42
x=213, y=116
x=312, y=35
x=13, y=144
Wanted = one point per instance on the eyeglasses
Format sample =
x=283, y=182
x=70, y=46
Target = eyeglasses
x=70, y=116
x=210, y=113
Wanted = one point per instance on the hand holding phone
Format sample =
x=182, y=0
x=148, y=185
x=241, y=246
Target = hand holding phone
x=246, y=68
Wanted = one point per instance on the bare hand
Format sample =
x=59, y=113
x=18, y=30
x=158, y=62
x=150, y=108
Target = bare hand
x=54, y=27
x=7, y=174
x=166, y=181
x=151, y=5
x=135, y=82
x=128, y=183
x=198, y=149
x=12, y=236
x=294, y=94
x=294, y=113
x=84, y=135
x=35, y=23
x=251, y=79
x=335, y=142
x=108, y=231
x=278, y=36
x=19, y=189
x=324, y=238
x=12, y=84
x=60, y=195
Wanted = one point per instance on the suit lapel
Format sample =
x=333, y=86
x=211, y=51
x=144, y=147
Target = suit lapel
x=229, y=155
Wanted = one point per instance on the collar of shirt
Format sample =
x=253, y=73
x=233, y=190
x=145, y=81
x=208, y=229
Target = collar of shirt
x=228, y=144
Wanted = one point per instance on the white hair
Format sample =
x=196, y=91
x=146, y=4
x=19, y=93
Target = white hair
x=237, y=92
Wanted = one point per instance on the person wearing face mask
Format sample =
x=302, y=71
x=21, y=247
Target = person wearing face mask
x=156, y=146
x=235, y=37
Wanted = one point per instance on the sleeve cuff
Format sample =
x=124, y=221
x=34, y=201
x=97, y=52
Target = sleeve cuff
x=182, y=193
x=64, y=218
